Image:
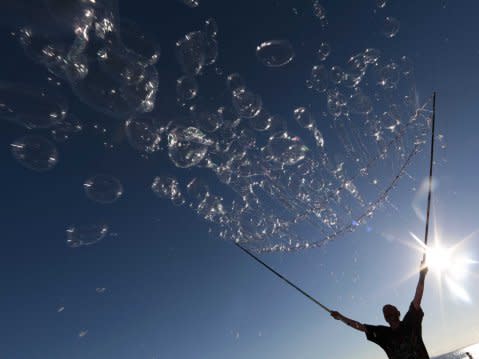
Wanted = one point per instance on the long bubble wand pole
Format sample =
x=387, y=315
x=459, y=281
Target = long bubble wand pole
x=307, y=295
x=431, y=162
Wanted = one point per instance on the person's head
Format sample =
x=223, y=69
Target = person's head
x=391, y=315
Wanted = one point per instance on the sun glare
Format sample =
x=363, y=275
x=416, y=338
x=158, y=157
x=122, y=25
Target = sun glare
x=438, y=259
x=447, y=265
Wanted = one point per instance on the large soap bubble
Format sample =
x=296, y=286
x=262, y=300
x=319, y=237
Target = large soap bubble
x=31, y=107
x=35, y=152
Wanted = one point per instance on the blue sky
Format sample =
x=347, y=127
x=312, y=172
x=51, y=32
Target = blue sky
x=174, y=292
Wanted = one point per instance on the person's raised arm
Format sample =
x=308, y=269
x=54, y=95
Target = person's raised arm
x=352, y=323
x=420, y=287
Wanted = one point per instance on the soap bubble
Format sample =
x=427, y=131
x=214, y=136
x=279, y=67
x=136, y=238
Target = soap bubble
x=286, y=149
x=103, y=189
x=62, y=132
x=168, y=188
x=323, y=51
x=391, y=27
x=142, y=136
x=262, y=121
x=381, y=3
x=211, y=28
x=275, y=53
x=112, y=80
x=371, y=56
x=45, y=109
x=43, y=50
x=191, y=3
x=141, y=43
x=210, y=121
x=187, y=146
x=319, y=78
x=304, y=117
x=389, y=75
x=360, y=104
x=186, y=88
x=85, y=235
x=319, y=12
x=235, y=83
x=190, y=52
x=35, y=152
x=247, y=103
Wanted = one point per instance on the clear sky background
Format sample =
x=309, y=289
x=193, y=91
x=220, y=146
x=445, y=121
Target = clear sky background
x=174, y=292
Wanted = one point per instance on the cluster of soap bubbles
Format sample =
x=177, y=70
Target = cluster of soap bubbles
x=271, y=182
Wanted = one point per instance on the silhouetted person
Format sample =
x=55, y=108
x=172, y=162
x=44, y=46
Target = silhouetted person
x=402, y=339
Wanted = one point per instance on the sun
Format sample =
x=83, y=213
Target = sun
x=439, y=259
x=448, y=264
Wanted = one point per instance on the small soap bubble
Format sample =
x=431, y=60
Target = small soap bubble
x=406, y=66
x=286, y=149
x=187, y=146
x=190, y=52
x=275, y=53
x=168, y=188
x=371, y=56
x=381, y=3
x=303, y=116
x=35, y=153
x=391, y=27
x=324, y=51
x=85, y=235
x=191, y=3
x=389, y=76
x=319, y=78
x=103, y=189
x=235, y=83
x=142, y=135
x=186, y=88
x=261, y=122
x=319, y=12
x=337, y=74
x=318, y=136
x=210, y=121
x=62, y=132
x=247, y=104
x=211, y=28
x=360, y=104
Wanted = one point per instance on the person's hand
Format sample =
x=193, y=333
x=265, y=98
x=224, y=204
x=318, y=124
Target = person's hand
x=336, y=315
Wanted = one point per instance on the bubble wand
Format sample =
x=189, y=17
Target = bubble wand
x=431, y=162
x=307, y=295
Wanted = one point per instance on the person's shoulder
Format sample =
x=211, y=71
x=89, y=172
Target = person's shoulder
x=412, y=308
x=376, y=328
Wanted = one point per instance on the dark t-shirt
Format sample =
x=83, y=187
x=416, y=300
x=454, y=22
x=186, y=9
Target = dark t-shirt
x=404, y=342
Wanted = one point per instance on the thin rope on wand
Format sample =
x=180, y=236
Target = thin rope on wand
x=431, y=162
x=282, y=277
